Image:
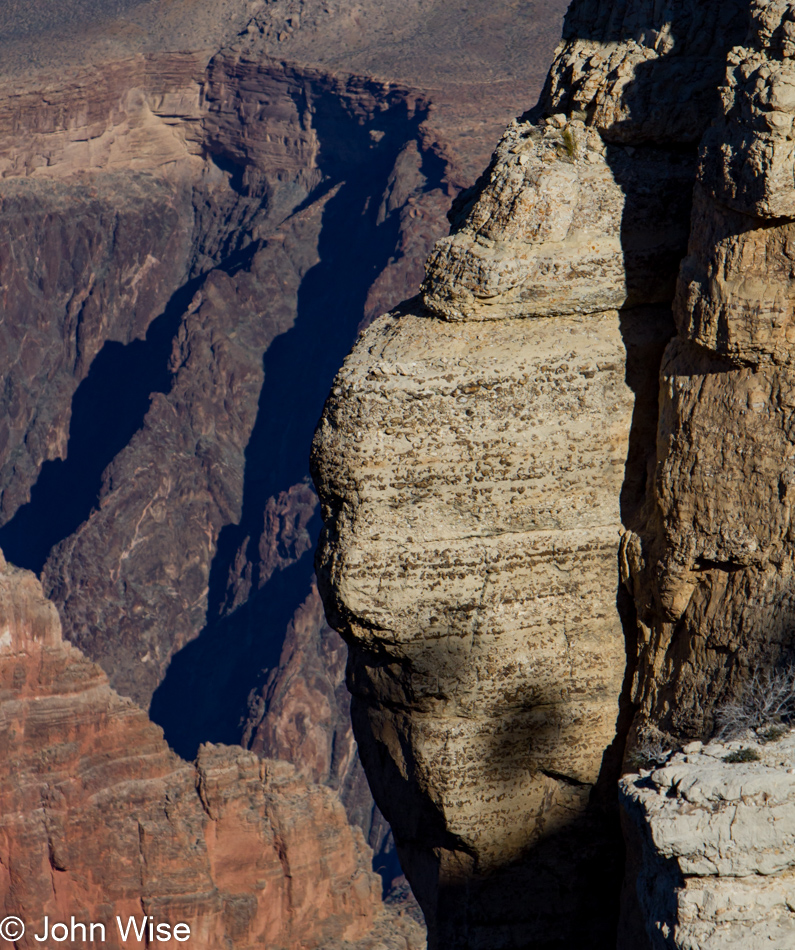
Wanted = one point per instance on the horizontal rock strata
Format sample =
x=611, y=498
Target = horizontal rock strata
x=100, y=818
x=442, y=560
x=714, y=844
x=180, y=188
x=458, y=554
x=711, y=570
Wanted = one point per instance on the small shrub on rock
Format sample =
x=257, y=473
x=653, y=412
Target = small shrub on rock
x=742, y=755
x=768, y=700
x=652, y=750
x=772, y=734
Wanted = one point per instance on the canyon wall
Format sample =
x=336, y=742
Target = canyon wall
x=181, y=188
x=100, y=818
x=712, y=572
x=549, y=536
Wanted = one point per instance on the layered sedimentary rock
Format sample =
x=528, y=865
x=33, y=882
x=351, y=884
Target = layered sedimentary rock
x=712, y=571
x=713, y=845
x=443, y=557
x=455, y=560
x=181, y=186
x=100, y=818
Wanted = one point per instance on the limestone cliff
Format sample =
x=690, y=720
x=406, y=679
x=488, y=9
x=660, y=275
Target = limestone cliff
x=499, y=457
x=712, y=572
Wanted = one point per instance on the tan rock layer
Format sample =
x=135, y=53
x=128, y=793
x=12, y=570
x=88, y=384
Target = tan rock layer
x=458, y=557
x=712, y=568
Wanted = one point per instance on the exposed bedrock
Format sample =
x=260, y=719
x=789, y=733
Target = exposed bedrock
x=711, y=845
x=474, y=577
x=712, y=568
x=166, y=222
x=100, y=818
x=483, y=450
x=712, y=571
x=179, y=287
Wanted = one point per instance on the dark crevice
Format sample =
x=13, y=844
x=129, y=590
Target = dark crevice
x=565, y=779
x=204, y=697
x=233, y=170
x=705, y=564
x=108, y=408
x=299, y=366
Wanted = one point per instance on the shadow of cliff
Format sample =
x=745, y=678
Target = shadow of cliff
x=108, y=408
x=241, y=644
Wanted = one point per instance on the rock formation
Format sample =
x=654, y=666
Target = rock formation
x=490, y=476
x=713, y=845
x=456, y=561
x=712, y=571
x=100, y=818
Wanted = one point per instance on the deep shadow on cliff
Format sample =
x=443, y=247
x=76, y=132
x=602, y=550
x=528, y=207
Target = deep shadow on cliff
x=108, y=408
x=206, y=691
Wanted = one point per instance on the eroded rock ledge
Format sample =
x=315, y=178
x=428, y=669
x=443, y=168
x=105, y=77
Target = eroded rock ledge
x=713, y=844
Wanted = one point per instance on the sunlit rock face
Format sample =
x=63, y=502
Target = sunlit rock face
x=711, y=841
x=471, y=476
x=712, y=573
x=100, y=818
x=481, y=454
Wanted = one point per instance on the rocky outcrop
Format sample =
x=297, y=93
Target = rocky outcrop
x=100, y=818
x=455, y=560
x=471, y=555
x=711, y=572
x=713, y=842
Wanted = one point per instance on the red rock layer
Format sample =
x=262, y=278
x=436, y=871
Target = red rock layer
x=99, y=818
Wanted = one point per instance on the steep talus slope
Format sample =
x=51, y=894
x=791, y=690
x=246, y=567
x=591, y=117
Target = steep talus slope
x=100, y=818
x=490, y=714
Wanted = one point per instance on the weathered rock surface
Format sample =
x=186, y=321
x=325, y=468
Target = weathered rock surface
x=457, y=555
x=564, y=225
x=100, y=818
x=711, y=569
x=237, y=141
x=713, y=842
x=443, y=561
x=645, y=74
